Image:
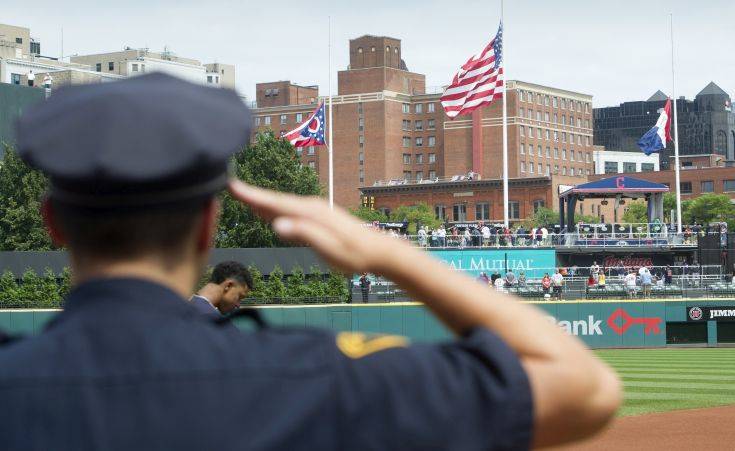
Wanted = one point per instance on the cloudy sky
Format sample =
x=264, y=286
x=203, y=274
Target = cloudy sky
x=614, y=50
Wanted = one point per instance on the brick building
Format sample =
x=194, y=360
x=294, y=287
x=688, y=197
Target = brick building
x=387, y=127
x=472, y=200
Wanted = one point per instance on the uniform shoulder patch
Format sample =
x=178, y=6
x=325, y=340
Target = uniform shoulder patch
x=356, y=344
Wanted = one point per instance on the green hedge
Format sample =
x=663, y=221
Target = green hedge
x=31, y=290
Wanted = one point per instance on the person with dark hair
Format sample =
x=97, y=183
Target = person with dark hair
x=227, y=287
x=134, y=168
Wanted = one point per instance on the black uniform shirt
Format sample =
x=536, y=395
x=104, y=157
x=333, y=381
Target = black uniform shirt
x=130, y=365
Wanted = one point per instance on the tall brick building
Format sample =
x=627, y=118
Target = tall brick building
x=387, y=127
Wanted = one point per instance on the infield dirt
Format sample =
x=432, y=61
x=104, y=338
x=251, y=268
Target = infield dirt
x=695, y=429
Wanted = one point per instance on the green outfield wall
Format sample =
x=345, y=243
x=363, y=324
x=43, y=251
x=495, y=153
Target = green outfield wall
x=601, y=324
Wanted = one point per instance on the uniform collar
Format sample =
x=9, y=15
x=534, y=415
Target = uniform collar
x=113, y=294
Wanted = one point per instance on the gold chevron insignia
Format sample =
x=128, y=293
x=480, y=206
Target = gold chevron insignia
x=356, y=345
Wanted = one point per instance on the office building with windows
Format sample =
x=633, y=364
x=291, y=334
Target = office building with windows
x=706, y=125
x=388, y=129
x=616, y=162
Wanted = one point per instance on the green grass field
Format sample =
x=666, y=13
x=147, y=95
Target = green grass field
x=657, y=380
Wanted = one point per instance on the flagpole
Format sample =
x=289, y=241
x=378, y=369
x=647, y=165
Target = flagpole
x=331, y=153
x=676, y=130
x=505, y=126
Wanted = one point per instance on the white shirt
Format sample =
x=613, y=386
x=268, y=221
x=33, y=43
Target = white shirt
x=499, y=282
x=485, y=232
x=422, y=233
x=630, y=280
x=642, y=270
x=442, y=233
x=31, y=76
x=557, y=279
x=544, y=232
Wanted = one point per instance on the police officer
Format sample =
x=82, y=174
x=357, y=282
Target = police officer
x=228, y=285
x=129, y=364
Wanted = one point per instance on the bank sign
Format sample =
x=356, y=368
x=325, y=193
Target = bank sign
x=533, y=262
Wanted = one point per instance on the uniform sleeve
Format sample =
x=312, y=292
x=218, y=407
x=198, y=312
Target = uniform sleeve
x=465, y=395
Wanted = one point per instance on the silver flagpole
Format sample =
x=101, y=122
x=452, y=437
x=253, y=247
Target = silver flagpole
x=330, y=150
x=676, y=130
x=505, y=125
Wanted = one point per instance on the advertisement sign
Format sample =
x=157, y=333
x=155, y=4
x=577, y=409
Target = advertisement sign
x=534, y=262
x=697, y=314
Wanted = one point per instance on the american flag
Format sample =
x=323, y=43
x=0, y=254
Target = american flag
x=311, y=132
x=478, y=82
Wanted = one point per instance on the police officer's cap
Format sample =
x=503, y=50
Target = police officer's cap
x=145, y=141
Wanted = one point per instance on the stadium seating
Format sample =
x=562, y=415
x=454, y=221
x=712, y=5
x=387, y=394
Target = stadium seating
x=721, y=289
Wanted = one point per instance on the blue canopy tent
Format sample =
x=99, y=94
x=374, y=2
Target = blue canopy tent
x=619, y=186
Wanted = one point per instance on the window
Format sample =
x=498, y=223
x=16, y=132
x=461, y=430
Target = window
x=482, y=211
x=539, y=203
x=523, y=166
x=406, y=108
x=18, y=40
x=514, y=209
x=571, y=154
x=406, y=158
x=586, y=140
x=647, y=167
x=523, y=130
x=432, y=174
x=361, y=140
x=460, y=212
x=556, y=169
x=430, y=108
x=372, y=49
x=538, y=115
x=556, y=136
x=548, y=152
x=611, y=167
x=540, y=169
x=564, y=103
x=546, y=100
x=432, y=141
x=98, y=67
x=406, y=141
x=563, y=137
x=134, y=67
x=257, y=121
x=419, y=175
x=359, y=50
x=15, y=79
x=359, y=108
x=556, y=118
x=587, y=124
x=538, y=133
x=628, y=166
x=431, y=123
x=432, y=158
x=522, y=113
x=419, y=158
x=686, y=187
x=579, y=171
x=530, y=168
x=440, y=211
x=407, y=176
x=556, y=153
x=419, y=108
x=419, y=141
x=209, y=79
x=548, y=169
x=548, y=134
x=564, y=154
x=299, y=117
x=111, y=65
x=708, y=186
x=530, y=132
x=587, y=158
x=564, y=170
x=312, y=164
x=267, y=120
x=579, y=139
x=310, y=150
x=284, y=119
x=539, y=151
x=571, y=138
x=530, y=113
x=362, y=176
x=419, y=126
x=523, y=149
x=299, y=152
x=361, y=158
x=387, y=48
x=406, y=125
x=546, y=116
x=142, y=67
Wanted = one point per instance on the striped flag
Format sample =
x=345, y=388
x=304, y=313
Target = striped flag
x=478, y=82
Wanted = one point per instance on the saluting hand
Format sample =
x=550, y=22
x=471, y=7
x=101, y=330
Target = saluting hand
x=333, y=233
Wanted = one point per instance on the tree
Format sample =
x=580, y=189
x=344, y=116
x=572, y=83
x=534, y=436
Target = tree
x=269, y=163
x=710, y=208
x=368, y=215
x=21, y=191
x=275, y=287
x=259, y=289
x=417, y=215
x=636, y=213
x=8, y=290
x=337, y=285
x=296, y=283
x=543, y=216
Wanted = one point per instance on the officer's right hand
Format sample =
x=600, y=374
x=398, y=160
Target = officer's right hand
x=333, y=233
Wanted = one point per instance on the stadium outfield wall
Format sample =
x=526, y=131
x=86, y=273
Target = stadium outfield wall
x=600, y=324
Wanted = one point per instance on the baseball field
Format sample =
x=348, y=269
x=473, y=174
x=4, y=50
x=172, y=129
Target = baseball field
x=675, y=399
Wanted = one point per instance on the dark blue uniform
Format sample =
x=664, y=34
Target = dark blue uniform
x=204, y=306
x=130, y=365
